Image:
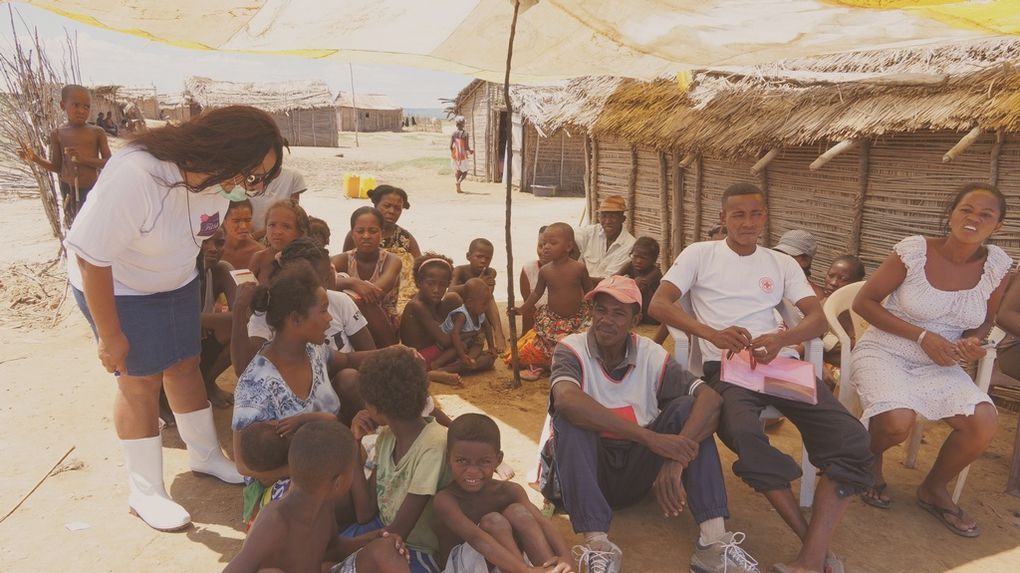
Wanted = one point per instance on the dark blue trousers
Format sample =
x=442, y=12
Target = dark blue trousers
x=597, y=475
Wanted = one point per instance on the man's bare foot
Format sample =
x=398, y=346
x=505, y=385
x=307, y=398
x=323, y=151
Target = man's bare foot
x=219, y=397
x=447, y=378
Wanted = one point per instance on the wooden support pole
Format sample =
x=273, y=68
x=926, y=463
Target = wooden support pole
x=594, y=179
x=863, y=174
x=632, y=188
x=993, y=171
x=677, y=242
x=699, y=184
x=587, y=179
x=664, y=219
x=962, y=145
x=764, y=161
x=845, y=145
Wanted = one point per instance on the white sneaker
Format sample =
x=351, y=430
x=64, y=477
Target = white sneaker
x=723, y=556
x=204, y=455
x=148, y=498
x=606, y=558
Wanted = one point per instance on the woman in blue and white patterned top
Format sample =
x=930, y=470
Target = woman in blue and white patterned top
x=288, y=383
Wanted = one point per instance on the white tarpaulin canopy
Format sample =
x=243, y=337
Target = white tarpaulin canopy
x=556, y=39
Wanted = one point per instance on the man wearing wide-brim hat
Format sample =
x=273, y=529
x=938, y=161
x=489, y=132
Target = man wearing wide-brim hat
x=605, y=246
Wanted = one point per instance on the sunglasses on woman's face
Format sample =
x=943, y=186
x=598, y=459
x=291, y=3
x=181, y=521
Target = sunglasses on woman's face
x=255, y=183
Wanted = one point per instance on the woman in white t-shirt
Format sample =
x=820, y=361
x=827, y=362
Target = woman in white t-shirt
x=132, y=255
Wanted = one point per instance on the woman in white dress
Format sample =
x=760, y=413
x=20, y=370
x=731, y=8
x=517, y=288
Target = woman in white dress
x=942, y=297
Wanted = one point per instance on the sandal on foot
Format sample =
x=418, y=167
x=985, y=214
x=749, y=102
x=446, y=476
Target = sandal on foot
x=940, y=514
x=875, y=499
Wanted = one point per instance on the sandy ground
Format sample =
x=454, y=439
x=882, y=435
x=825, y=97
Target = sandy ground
x=55, y=396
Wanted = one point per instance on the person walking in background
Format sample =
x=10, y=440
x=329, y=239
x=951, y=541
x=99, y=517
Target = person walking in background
x=460, y=149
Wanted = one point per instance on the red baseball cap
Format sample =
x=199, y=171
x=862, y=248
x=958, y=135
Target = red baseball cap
x=623, y=289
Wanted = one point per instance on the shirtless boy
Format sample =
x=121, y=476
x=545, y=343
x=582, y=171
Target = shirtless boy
x=567, y=281
x=298, y=533
x=479, y=258
x=77, y=150
x=481, y=520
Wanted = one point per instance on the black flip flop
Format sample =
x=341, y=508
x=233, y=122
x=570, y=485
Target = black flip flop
x=940, y=514
x=875, y=500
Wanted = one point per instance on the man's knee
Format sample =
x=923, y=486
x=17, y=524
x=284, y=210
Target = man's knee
x=381, y=555
x=518, y=515
x=494, y=523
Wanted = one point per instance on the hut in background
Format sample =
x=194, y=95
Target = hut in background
x=373, y=112
x=550, y=155
x=859, y=149
x=303, y=110
x=124, y=101
x=174, y=107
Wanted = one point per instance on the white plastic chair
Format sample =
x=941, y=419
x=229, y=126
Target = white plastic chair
x=839, y=302
x=687, y=353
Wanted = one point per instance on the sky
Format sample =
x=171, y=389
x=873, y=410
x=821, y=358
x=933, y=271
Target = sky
x=109, y=57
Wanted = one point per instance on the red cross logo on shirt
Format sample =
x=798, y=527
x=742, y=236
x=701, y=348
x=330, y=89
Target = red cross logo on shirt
x=766, y=284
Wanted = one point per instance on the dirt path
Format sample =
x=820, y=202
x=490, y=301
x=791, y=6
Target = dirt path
x=54, y=395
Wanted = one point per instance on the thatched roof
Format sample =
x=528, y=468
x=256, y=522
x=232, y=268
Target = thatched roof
x=271, y=97
x=377, y=102
x=744, y=111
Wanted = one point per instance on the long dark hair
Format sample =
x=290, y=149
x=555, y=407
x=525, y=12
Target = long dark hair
x=222, y=144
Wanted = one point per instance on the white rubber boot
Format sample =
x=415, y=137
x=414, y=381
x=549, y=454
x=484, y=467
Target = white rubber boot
x=148, y=498
x=204, y=455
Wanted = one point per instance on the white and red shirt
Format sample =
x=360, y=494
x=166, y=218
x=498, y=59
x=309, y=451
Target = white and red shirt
x=728, y=289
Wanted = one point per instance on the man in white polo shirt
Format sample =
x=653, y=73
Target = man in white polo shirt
x=626, y=418
x=605, y=246
x=734, y=286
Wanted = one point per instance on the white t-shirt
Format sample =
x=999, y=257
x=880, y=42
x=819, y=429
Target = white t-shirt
x=286, y=184
x=603, y=260
x=727, y=289
x=149, y=232
x=345, y=321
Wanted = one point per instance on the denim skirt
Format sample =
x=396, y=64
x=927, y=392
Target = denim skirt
x=162, y=328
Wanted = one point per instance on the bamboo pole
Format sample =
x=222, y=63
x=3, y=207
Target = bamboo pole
x=354, y=105
x=587, y=178
x=677, y=243
x=688, y=160
x=632, y=188
x=763, y=183
x=842, y=146
x=764, y=161
x=664, y=220
x=993, y=170
x=699, y=183
x=962, y=145
x=514, y=358
x=594, y=179
x=563, y=150
x=863, y=174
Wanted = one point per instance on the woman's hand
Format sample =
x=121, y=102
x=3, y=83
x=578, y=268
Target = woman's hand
x=113, y=351
x=940, y=350
x=367, y=291
x=287, y=426
x=969, y=348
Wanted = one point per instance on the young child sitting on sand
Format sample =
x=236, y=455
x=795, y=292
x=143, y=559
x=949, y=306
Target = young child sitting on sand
x=482, y=521
x=425, y=312
x=77, y=150
x=410, y=455
x=298, y=533
x=567, y=281
x=285, y=222
x=479, y=258
x=240, y=246
x=644, y=271
x=465, y=325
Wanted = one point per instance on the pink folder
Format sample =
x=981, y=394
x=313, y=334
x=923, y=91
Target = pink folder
x=787, y=378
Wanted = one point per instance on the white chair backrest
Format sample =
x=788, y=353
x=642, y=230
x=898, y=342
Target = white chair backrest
x=839, y=302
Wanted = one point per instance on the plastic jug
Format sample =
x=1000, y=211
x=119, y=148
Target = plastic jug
x=351, y=185
x=367, y=184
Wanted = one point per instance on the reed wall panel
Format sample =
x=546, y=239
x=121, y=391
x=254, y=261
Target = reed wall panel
x=690, y=188
x=1009, y=183
x=475, y=111
x=910, y=186
x=647, y=216
x=613, y=168
x=820, y=202
x=719, y=174
x=560, y=160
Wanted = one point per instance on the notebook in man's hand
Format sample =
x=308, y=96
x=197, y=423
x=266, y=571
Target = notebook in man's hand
x=787, y=378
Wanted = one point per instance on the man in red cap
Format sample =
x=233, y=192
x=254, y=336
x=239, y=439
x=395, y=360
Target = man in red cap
x=625, y=419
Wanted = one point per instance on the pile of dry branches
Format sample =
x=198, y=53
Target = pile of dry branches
x=30, y=110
